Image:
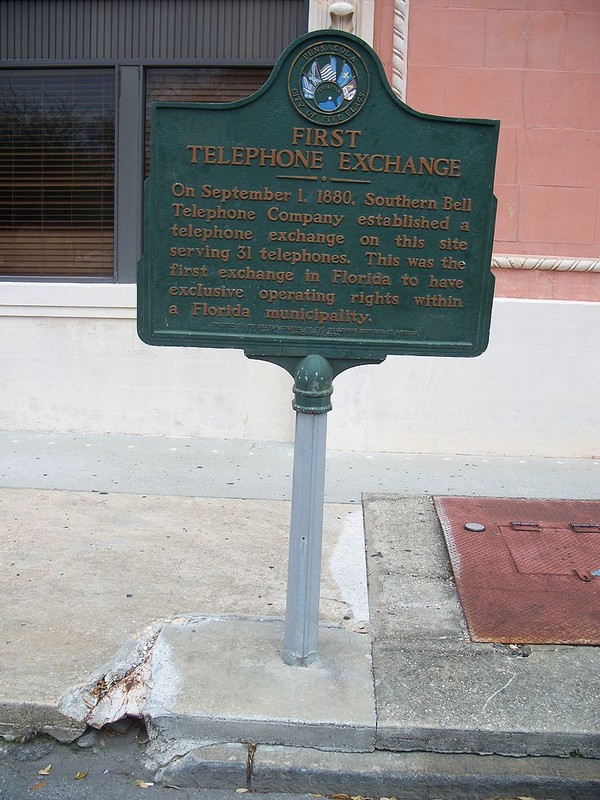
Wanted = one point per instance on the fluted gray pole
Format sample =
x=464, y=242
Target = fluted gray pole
x=312, y=390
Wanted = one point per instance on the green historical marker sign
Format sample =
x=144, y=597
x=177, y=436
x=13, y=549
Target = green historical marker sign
x=320, y=216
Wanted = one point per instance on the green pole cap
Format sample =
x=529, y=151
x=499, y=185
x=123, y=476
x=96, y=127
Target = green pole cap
x=313, y=385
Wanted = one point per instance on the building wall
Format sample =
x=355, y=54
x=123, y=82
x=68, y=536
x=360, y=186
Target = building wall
x=535, y=66
x=71, y=359
x=79, y=366
x=73, y=362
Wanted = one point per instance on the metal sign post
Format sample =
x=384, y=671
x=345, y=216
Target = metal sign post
x=312, y=389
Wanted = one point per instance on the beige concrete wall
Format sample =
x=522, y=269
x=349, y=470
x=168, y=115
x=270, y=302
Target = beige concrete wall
x=71, y=361
x=531, y=393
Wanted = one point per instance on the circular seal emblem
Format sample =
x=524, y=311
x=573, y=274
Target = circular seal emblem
x=328, y=83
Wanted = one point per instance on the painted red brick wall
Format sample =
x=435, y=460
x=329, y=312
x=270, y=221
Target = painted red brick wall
x=535, y=66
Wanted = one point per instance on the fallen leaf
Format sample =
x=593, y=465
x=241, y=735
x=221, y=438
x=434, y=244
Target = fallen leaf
x=241, y=791
x=39, y=785
x=316, y=795
x=102, y=742
x=79, y=776
x=143, y=784
x=46, y=771
x=340, y=797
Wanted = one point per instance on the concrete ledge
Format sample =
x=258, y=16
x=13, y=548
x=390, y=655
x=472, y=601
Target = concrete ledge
x=19, y=719
x=463, y=697
x=223, y=766
x=453, y=777
x=488, y=742
x=377, y=774
x=225, y=680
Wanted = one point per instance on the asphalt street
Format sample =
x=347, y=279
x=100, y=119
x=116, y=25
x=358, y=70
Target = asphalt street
x=102, y=765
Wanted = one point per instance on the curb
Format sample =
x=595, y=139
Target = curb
x=382, y=773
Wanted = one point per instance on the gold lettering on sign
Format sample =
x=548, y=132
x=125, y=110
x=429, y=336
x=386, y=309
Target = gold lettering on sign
x=255, y=156
x=303, y=256
x=198, y=212
x=297, y=236
x=371, y=300
x=208, y=252
x=308, y=295
x=368, y=278
x=380, y=162
x=404, y=221
x=261, y=275
x=304, y=218
x=182, y=271
x=465, y=204
x=399, y=201
x=328, y=252
x=205, y=291
x=409, y=241
x=445, y=283
x=319, y=137
x=381, y=260
x=313, y=159
x=344, y=315
x=209, y=233
x=235, y=193
x=451, y=263
x=220, y=311
x=453, y=244
x=438, y=301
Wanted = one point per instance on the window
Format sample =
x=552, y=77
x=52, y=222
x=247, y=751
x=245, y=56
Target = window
x=57, y=155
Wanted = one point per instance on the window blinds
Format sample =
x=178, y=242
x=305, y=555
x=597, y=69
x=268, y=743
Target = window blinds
x=57, y=153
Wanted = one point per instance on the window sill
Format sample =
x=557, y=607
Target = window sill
x=95, y=300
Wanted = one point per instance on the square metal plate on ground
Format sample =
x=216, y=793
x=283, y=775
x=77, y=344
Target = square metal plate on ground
x=526, y=571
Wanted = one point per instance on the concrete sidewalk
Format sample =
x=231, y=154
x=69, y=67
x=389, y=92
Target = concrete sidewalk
x=263, y=470
x=111, y=592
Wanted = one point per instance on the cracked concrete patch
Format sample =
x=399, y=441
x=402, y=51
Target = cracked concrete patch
x=126, y=697
x=224, y=680
x=118, y=689
x=200, y=680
